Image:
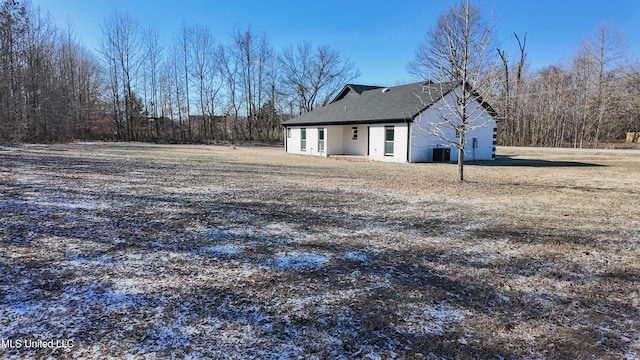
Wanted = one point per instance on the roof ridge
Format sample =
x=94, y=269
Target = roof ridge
x=360, y=88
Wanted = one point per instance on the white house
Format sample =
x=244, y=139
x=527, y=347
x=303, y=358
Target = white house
x=392, y=124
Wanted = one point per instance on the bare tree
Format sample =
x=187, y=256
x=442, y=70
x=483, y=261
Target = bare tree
x=48, y=82
x=13, y=28
x=597, y=62
x=49, y=113
x=182, y=53
x=631, y=109
x=203, y=63
x=243, y=51
x=230, y=72
x=122, y=53
x=509, y=92
x=175, y=70
x=584, y=103
x=265, y=79
x=248, y=57
x=153, y=53
x=458, y=49
x=271, y=110
x=314, y=76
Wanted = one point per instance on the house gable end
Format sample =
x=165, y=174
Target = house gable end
x=353, y=89
x=480, y=100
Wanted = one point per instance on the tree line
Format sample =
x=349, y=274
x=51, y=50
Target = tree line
x=591, y=101
x=196, y=88
x=49, y=84
x=135, y=87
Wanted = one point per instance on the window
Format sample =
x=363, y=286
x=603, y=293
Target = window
x=388, y=140
x=288, y=133
x=303, y=139
x=321, y=140
x=354, y=133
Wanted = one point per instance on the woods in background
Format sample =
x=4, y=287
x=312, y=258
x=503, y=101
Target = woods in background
x=136, y=88
x=49, y=84
x=196, y=88
x=590, y=102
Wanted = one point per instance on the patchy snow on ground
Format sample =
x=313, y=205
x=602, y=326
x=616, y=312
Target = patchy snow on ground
x=299, y=260
x=125, y=254
x=432, y=320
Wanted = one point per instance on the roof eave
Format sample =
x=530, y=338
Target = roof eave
x=346, y=122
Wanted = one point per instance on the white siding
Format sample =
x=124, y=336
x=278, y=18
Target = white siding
x=377, y=145
x=338, y=140
x=357, y=146
x=423, y=142
x=294, y=143
x=333, y=135
x=312, y=141
x=292, y=140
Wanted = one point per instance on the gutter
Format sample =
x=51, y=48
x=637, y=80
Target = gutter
x=347, y=122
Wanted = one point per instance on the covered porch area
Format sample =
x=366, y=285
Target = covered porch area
x=347, y=140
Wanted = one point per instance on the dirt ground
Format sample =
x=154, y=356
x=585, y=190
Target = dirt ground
x=113, y=250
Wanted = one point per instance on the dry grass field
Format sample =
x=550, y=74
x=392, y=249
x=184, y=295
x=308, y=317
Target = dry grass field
x=159, y=251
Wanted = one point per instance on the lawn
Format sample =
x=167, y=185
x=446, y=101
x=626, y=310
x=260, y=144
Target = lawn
x=172, y=251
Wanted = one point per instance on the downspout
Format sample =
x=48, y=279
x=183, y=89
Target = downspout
x=408, y=140
x=286, y=140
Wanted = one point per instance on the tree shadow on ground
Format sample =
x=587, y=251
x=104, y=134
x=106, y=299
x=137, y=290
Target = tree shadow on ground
x=373, y=292
x=510, y=160
x=404, y=301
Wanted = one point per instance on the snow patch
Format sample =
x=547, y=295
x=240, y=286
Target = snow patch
x=433, y=320
x=217, y=234
x=356, y=256
x=277, y=228
x=299, y=260
x=228, y=249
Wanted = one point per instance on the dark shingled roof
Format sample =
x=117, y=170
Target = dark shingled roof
x=375, y=104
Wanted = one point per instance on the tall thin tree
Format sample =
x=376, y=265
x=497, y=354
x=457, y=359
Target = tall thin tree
x=314, y=76
x=122, y=53
x=458, y=49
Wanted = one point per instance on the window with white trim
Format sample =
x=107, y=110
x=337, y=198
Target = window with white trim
x=389, y=134
x=354, y=133
x=321, y=140
x=303, y=139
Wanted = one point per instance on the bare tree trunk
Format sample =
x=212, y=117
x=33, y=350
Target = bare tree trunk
x=457, y=50
x=461, y=144
x=184, y=53
x=121, y=50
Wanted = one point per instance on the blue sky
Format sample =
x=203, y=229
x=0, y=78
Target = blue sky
x=380, y=37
